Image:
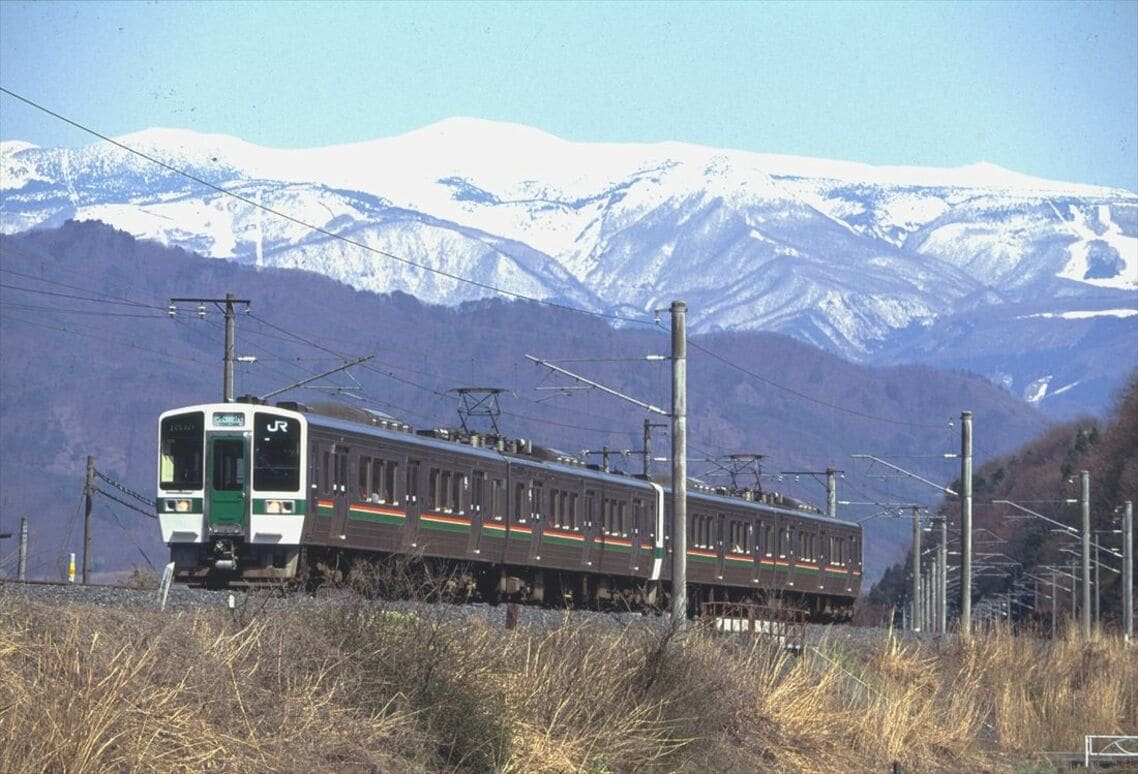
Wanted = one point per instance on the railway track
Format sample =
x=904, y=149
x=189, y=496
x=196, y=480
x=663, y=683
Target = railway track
x=272, y=601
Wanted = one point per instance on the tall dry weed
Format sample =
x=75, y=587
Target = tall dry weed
x=351, y=685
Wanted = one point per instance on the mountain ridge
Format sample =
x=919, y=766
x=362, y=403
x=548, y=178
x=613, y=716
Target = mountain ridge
x=859, y=265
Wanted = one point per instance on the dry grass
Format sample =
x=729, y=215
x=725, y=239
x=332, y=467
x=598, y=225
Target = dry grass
x=353, y=687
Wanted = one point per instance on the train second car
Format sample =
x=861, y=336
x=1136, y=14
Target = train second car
x=250, y=494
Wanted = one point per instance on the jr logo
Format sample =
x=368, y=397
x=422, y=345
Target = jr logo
x=280, y=426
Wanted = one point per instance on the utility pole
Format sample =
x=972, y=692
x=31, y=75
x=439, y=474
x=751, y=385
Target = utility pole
x=679, y=464
x=831, y=485
x=89, y=496
x=942, y=582
x=966, y=524
x=230, y=301
x=1085, y=476
x=22, y=565
x=1128, y=571
x=1054, y=602
x=1098, y=585
x=679, y=418
x=916, y=568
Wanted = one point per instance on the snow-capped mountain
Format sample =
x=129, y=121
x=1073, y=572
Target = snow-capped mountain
x=976, y=267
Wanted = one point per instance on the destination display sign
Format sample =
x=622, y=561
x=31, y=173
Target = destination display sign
x=228, y=419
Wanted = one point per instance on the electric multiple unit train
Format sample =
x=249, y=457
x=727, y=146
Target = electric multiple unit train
x=251, y=493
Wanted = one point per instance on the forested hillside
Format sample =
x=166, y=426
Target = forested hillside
x=1044, y=476
x=89, y=358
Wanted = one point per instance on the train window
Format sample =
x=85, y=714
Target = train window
x=563, y=507
x=363, y=489
x=433, y=490
x=740, y=538
x=228, y=464
x=637, y=515
x=444, y=491
x=498, y=500
x=806, y=545
x=615, y=517
x=276, y=453
x=521, y=503
x=701, y=531
x=180, y=466
x=390, y=476
x=325, y=472
x=590, y=509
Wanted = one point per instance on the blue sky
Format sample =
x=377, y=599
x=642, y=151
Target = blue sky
x=1048, y=89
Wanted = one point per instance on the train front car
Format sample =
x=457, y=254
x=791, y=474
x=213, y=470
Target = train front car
x=231, y=495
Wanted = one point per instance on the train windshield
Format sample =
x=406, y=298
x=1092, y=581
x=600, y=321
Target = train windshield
x=276, y=449
x=182, y=445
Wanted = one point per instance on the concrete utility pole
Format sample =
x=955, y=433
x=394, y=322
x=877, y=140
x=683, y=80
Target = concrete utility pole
x=916, y=568
x=966, y=524
x=942, y=581
x=22, y=566
x=1054, y=602
x=679, y=463
x=230, y=331
x=89, y=496
x=1128, y=571
x=1085, y=476
x=831, y=493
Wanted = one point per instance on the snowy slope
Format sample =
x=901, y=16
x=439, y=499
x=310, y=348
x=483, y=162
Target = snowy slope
x=865, y=261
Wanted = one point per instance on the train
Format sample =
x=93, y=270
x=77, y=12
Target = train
x=250, y=493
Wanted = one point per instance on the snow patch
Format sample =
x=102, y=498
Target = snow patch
x=1082, y=315
x=1037, y=390
x=1108, y=260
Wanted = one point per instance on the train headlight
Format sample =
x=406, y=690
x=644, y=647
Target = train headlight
x=177, y=506
x=278, y=506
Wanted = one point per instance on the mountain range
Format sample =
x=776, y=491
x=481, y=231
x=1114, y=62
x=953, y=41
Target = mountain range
x=89, y=357
x=1032, y=284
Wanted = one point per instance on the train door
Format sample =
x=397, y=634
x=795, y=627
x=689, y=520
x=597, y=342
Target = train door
x=825, y=556
x=331, y=487
x=589, y=526
x=477, y=509
x=720, y=544
x=411, y=503
x=228, y=486
x=640, y=534
x=539, y=510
